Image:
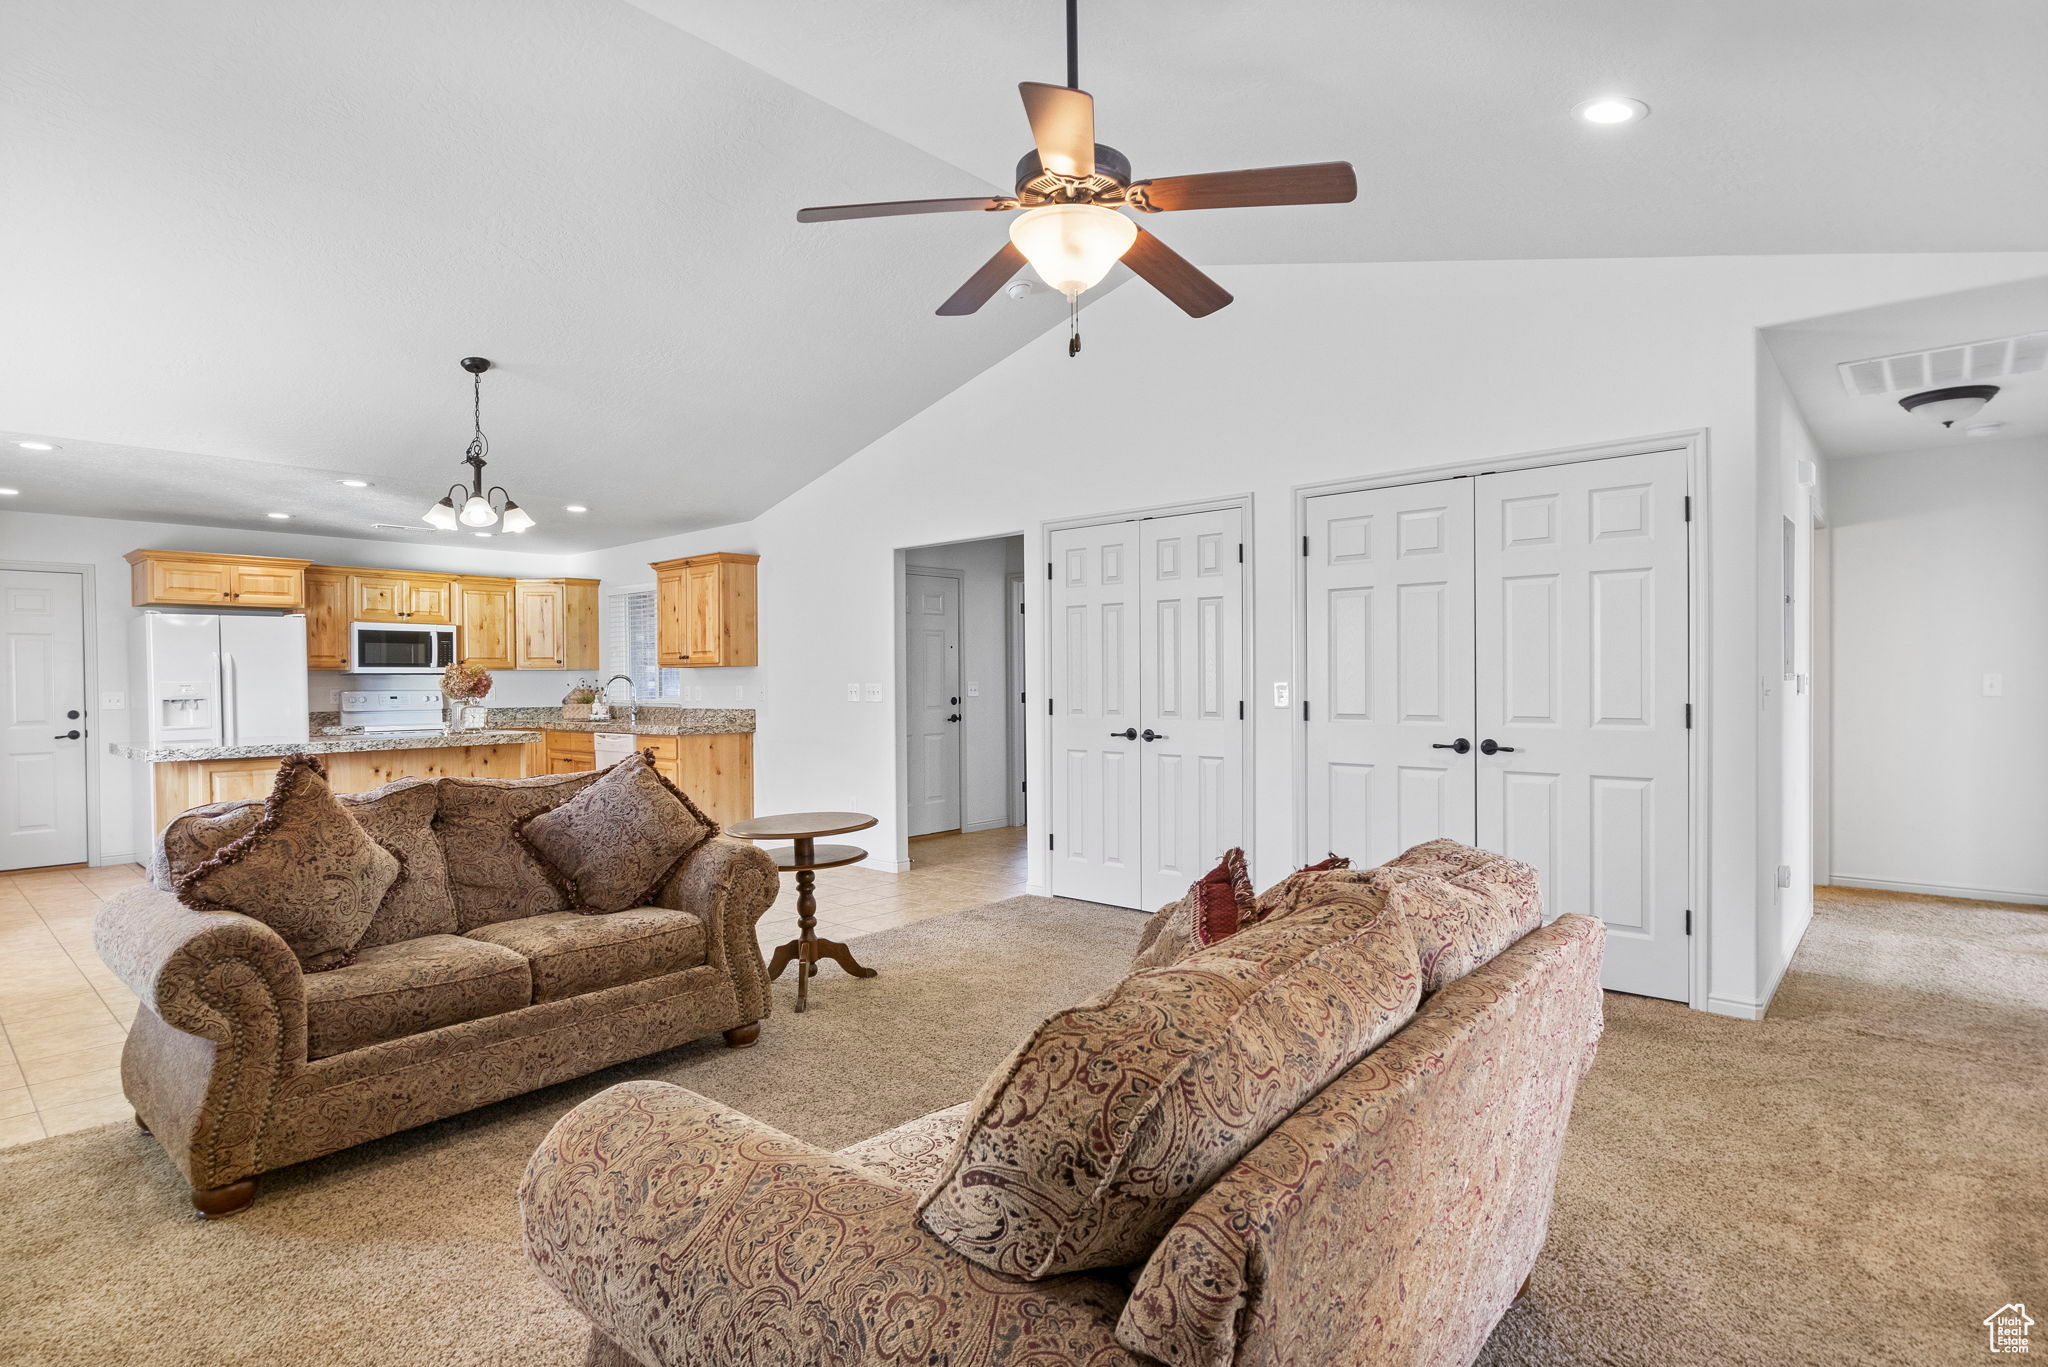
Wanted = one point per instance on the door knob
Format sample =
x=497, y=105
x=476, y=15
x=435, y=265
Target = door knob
x=1150, y=734
x=72, y=715
x=1487, y=747
x=954, y=717
x=68, y=735
x=1461, y=745
x=1128, y=733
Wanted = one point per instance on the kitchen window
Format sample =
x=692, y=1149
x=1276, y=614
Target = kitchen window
x=630, y=646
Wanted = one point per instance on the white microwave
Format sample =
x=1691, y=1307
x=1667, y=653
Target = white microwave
x=396, y=648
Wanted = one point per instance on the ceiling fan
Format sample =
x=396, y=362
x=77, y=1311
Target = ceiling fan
x=1071, y=188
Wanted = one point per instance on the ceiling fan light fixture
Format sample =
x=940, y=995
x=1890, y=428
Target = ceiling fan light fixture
x=1072, y=246
x=1951, y=405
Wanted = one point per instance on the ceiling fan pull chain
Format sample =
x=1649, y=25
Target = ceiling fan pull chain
x=1074, y=325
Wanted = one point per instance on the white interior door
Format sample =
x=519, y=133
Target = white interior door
x=42, y=786
x=1390, y=670
x=932, y=619
x=1093, y=606
x=1582, y=623
x=1191, y=743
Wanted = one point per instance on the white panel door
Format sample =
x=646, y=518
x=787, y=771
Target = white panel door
x=1092, y=680
x=1191, y=742
x=42, y=750
x=1582, y=668
x=1390, y=674
x=932, y=636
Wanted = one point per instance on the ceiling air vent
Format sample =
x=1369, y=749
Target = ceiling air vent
x=1964, y=363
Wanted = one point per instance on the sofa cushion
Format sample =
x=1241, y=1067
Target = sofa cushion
x=304, y=866
x=1298, y=889
x=915, y=1152
x=491, y=875
x=400, y=817
x=408, y=988
x=1114, y=1115
x=1213, y=907
x=1462, y=905
x=615, y=843
x=572, y=953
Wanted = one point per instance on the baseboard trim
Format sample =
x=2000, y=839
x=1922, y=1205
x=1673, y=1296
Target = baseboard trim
x=105, y=859
x=1036, y=890
x=2027, y=899
x=1740, y=1010
x=993, y=823
x=886, y=865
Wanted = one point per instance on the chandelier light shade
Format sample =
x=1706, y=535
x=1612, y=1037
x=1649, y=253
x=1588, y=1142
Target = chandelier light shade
x=1072, y=246
x=475, y=506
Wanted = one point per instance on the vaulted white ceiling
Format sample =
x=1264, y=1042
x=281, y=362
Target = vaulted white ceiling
x=245, y=243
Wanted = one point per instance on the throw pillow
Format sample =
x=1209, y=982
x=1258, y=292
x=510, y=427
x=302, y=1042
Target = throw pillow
x=492, y=875
x=615, y=843
x=1115, y=1115
x=306, y=868
x=400, y=817
x=1463, y=905
x=1214, y=906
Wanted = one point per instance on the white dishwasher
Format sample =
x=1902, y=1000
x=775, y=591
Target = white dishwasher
x=610, y=747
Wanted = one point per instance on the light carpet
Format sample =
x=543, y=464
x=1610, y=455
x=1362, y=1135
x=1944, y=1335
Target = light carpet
x=1856, y=1179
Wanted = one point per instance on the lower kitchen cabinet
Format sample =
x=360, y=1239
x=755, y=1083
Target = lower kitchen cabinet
x=716, y=771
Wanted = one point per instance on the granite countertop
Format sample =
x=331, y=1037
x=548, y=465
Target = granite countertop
x=322, y=745
x=649, y=721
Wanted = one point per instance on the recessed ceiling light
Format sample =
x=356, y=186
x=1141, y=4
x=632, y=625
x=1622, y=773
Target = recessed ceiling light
x=574, y=508
x=1610, y=109
x=9, y=493
x=279, y=517
x=37, y=446
x=481, y=533
x=355, y=484
x=1984, y=429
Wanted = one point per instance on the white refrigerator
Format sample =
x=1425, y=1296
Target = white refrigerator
x=214, y=680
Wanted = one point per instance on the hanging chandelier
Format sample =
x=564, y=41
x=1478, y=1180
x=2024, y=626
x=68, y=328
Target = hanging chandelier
x=473, y=507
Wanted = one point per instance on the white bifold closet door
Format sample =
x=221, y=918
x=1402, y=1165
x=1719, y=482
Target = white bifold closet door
x=1539, y=618
x=1147, y=689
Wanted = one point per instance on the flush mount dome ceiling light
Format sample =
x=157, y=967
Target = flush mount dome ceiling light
x=474, y=507
x=1608, y=110
x=1074, y=190
x=1951, y=405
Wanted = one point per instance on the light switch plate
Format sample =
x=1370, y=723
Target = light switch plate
x=1994, y=685
x=113, y=702
x=973, y=689
x=853, y=692
x=1279, y=695
x=870, y=692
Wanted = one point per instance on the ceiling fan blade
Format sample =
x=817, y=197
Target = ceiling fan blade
x=1063, y=126
x=1319, y=182
x=892, y=208
x=1174, y=276
x=983, y=284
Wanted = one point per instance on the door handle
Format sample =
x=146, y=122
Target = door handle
x=954, y=717
x=1487, y=747
x=68, y=735
x=1128, y=733
x=1461, y=745
x=1150, y=734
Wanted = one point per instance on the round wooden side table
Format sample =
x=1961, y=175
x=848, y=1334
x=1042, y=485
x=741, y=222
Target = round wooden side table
x=803, y=857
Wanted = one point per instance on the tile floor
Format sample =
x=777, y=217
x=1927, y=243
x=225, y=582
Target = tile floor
x=63, y=1015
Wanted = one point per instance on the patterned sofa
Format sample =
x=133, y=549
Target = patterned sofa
x=1359, y=1171
x=476, y=981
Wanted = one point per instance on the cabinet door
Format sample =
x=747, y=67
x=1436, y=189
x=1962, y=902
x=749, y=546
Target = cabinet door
x=539, y=605
x=571, y=752
x=326, y=620
x=579, y=625
x=430, y=602
x=376, y=597
x=702, y=617
x=189, y=581
x=487, y=617
x=671, y=617
x=255, y=586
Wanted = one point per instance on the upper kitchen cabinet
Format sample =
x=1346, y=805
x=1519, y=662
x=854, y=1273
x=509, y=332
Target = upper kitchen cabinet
x=192, y=579
x=327, y=617
x=556, y=624
x=488, y=619
x=420, y=599
x=705, y=609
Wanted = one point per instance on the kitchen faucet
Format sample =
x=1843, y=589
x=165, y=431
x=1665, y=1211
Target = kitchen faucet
x=632, y=704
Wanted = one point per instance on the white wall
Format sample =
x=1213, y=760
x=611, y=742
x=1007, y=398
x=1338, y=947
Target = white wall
x=101, y=542
x=1939, y=577
x=985, y=567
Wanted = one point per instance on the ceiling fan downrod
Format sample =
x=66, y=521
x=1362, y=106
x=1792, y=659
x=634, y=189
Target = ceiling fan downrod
x=1073, y=46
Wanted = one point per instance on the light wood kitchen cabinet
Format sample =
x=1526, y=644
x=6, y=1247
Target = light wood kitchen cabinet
x=193, y=579
x=570, y=752
x=327, y=617
x=717, y=771
x=422, y=600
x=557, y=621
x=705, y=610
x=487, y=609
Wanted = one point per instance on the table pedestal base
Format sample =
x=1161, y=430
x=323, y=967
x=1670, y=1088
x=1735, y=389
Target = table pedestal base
x=808, y=948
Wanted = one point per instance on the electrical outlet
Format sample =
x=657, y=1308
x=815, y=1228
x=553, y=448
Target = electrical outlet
x=1784, y=875
x=870, y=692
x=1279, y=695
x=853, y=692
x=1994, y=685
x=334, y=697
x=739, y=692
x=113, y=702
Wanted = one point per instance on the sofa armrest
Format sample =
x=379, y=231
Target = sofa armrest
x=190, y=967
x=690, y=1233
x=729, y=883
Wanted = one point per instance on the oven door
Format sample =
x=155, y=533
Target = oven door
x=380, y=648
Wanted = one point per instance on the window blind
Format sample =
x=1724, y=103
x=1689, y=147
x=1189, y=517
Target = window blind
x=630, y=646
